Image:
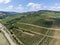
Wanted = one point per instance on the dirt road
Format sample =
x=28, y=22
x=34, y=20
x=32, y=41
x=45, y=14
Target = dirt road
x=2, y=28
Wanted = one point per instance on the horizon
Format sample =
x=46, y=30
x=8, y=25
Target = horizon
x=28, y=6
x=29, y=11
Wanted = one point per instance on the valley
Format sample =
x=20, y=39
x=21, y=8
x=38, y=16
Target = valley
x=37, y=28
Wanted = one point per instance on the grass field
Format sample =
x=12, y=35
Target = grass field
x=3, y=40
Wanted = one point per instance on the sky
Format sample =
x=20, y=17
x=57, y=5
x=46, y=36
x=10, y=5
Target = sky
x=29, y=5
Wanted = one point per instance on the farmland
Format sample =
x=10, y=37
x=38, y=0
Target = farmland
x=38, y=28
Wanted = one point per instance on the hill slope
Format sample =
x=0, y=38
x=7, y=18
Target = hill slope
x=36, y=28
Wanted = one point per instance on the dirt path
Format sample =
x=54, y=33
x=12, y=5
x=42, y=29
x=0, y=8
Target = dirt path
x=42, y=38
x=41, y=33
x=12, y=43
x=41, y=26
x=56, y=34
x=6, y=35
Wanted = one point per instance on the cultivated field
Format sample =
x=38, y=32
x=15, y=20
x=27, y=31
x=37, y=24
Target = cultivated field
x=39, y=28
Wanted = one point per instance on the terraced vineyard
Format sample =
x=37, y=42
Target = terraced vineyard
x=37, y=36
x=39, y=28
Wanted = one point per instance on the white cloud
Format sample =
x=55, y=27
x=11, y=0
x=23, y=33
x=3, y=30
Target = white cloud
x=34, y=6
x=7, y=1
x=31, y=7
x=10, y=7
x=20, y=8
x=4, y=1
x=25, y=8
x=56, y=7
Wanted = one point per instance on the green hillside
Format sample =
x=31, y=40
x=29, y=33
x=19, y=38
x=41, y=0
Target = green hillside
x=41, y=18
x=34, y=28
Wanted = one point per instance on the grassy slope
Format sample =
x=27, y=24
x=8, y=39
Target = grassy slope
x=36, y=19
x=9, y=18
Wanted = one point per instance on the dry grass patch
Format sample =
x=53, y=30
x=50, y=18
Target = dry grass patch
x=3, y=40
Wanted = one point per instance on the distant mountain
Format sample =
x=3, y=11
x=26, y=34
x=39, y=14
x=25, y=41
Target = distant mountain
x=9, y=13
x=45, y=11
x=48, y=13
x=4, y=14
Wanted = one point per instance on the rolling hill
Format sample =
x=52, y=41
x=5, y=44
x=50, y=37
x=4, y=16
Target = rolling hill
x=37, y=27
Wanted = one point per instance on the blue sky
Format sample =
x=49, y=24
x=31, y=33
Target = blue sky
x=29, y=5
